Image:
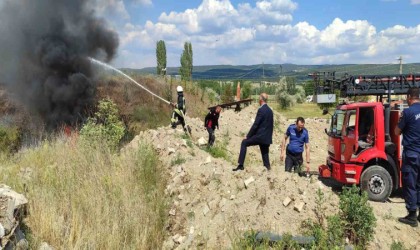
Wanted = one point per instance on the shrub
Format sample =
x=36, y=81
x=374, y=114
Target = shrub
x=285, y=100
x=105, y=125
x=396, y=245
x=10, y=139
x=357, y=215
x=355, y=221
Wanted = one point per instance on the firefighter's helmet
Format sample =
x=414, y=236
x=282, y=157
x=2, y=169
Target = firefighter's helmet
x=179, y=89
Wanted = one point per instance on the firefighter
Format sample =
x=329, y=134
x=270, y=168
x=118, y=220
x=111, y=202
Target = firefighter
x=298, y=136
x=178, y=115
x=408, y=126
x=211, y=122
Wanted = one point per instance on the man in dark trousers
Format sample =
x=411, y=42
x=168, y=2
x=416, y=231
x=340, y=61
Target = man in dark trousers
x=298, y=136
x=409, y=127
x=211, y=122
x=261, y=133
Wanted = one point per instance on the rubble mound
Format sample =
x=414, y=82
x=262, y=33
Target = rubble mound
x=211, y=205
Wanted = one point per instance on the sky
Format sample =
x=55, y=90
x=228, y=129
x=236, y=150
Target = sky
x=243, y=32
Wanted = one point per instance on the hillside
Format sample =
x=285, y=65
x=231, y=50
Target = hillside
x=273, y=71
x=211, y=206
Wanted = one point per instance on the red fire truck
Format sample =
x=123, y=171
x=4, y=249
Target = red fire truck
x=362, y=146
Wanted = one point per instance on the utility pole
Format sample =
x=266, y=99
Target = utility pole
x=263, y=70
x=400, y=59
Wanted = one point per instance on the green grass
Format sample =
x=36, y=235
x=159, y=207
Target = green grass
x=306, y=110
x=178, y=160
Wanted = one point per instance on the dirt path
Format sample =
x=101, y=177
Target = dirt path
x=211, y=205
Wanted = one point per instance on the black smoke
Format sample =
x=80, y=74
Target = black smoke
x=44, y=51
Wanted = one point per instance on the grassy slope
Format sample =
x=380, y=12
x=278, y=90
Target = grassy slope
x=306, y=110
x=86, y=197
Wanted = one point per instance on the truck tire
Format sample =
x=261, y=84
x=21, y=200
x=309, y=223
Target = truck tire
x=377, y=182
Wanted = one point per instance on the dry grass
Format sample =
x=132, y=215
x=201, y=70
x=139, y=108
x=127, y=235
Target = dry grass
x=85, y=197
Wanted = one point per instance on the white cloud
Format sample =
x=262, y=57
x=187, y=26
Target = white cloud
x=415, y=1
x=222, y=33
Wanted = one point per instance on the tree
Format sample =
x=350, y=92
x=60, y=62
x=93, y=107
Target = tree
x=161, y=58
x=227, y=95
x=291, y=85
x=186, y=62
x=246, y=90
x=309, y=87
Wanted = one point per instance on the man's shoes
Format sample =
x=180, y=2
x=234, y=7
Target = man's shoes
x=239, y=167
x=268, y=168
x=410, y=219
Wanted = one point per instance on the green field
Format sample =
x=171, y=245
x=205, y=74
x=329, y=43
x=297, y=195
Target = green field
x=306, y=110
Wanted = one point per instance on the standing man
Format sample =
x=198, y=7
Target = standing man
x=261, y=133
x=409, y=127
x=179, y=110
x=211, y=122
x=298, y=136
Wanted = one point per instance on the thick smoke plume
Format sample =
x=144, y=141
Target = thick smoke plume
x=44, y=50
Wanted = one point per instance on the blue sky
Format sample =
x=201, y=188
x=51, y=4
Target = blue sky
x=242, y=32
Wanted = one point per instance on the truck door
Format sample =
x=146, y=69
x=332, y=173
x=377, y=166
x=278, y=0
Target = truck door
x=349, y=136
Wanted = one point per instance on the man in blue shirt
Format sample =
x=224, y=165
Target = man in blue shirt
x=298, y=136
x=409, y=127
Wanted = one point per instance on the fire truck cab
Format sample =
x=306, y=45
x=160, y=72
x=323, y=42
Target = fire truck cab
x=362, y=146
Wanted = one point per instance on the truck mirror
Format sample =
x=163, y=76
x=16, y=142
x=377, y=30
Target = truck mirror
x=324, y=111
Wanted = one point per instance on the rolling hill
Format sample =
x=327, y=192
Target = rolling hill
x=274, y=71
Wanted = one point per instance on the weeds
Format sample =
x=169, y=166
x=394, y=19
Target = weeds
x=10, y=139
x=250, y=241
x=178, y=160
x=397, y=245
x=105, y=126
x=354, y=221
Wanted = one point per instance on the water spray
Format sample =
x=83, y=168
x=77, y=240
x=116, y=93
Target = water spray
x=127, y=76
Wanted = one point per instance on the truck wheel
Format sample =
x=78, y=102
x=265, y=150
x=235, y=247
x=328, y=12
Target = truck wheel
x=377, y=182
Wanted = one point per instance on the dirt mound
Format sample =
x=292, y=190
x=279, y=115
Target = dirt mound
x=212, y=205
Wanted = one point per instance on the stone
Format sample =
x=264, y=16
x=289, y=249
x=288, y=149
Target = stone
x=287, y=201
x=248, y=181
x=201, y=142
x=171, y=151
x=168, y=244
x=299, y=206
x=232, y=197
x=2, y=232
x=172, y=212
x=179, y=169
x=206, y=209
x=45, y=246
x=208, y=160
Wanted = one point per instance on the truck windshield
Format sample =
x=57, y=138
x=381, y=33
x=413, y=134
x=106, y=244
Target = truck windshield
x=337, y=122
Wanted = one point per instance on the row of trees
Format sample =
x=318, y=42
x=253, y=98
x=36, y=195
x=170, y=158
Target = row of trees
x=186, y=60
